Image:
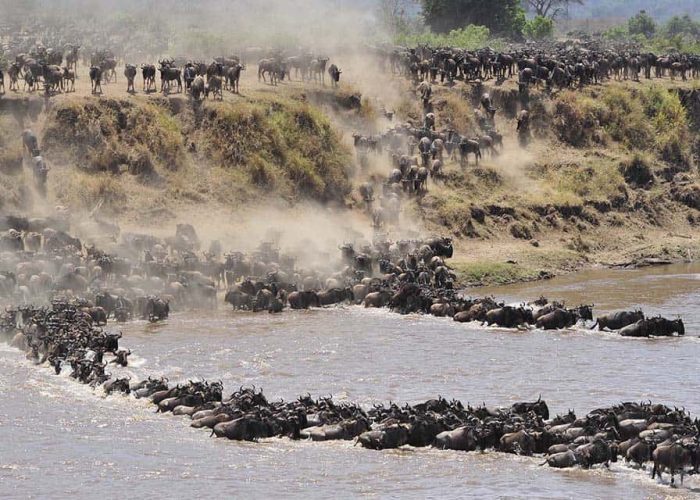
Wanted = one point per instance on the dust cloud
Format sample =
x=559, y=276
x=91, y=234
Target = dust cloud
x=340, y=30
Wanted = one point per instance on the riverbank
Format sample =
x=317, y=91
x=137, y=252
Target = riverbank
x=486, y=263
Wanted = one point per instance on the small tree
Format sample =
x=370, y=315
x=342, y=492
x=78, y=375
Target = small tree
x=393, y=15
x=502, y=17
x=642, y=24
x=550, y=8
x=683, y=26
x=539, y=28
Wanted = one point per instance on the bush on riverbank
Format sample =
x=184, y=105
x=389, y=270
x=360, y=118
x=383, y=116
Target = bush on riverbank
x=652, y=119
x=103, y=135
x=279, y=144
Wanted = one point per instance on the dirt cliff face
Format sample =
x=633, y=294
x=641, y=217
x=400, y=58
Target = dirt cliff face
x=136, y=154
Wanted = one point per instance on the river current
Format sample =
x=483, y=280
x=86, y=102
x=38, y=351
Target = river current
x=60, y=439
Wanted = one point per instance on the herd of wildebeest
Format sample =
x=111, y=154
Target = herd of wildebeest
x=82, y=287
x=51, y=60
x=55, y=70
x=144, y=276
x=66, y=338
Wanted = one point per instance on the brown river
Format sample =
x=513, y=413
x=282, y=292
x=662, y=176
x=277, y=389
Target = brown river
x=59, y=439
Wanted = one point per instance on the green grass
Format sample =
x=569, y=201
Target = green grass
x=279, y=143
x=101, y=135
x=650, y=119
x=470, y=37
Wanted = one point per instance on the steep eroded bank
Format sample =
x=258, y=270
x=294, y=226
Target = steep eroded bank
x=610, y=178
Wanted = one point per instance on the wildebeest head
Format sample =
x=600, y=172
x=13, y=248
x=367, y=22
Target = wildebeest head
x=585, y=312
x=679, y=326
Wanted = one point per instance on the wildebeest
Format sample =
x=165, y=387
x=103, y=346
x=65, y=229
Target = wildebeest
x=467, y=147
x=318, y=69
x=461, y=439
x=654, y=327
x=157, y=309
x=304, y=300
x=53, y=78
x=509, y=317
x=72, y=57
x=68, y=78
x=300, y=65
x=390, y=437
x=109, y=69
x=274, y=68
x=214, y=86
x=189, y=73
x=618, y=320
x=233, y=78
x=673, y=457
x=30, y=80
x=13, y=73
x=564, y=318
x=148, y=72
x=96, y=79
x=130, y=74
x=169, y=74
x=334, y=73
x=596, y=452
x=421, y=180
x=30, y=142
x=197, y=88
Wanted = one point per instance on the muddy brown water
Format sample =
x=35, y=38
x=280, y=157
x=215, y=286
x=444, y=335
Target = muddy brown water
x=59, y=439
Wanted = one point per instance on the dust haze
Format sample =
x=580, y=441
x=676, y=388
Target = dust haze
x=146, y=29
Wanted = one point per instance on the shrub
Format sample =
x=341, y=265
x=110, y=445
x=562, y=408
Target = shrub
x=637, y=171
x=670, y=121
x=539, y=28
x=577, y=118
x=642, y=24
x=470, y=37
x=626, y=121
x=284, y=143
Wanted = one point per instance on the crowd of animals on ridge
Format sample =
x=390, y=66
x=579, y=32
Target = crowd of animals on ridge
x=48, y=58
x=641, y=432
x=49, y=69
x=560, y=64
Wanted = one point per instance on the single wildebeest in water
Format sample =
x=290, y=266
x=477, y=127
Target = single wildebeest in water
x=618, y=320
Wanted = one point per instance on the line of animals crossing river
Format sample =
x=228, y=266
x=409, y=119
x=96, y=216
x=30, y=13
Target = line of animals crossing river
x=638, y=432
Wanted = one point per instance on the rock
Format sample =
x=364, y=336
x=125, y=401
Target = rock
x=689, y=195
